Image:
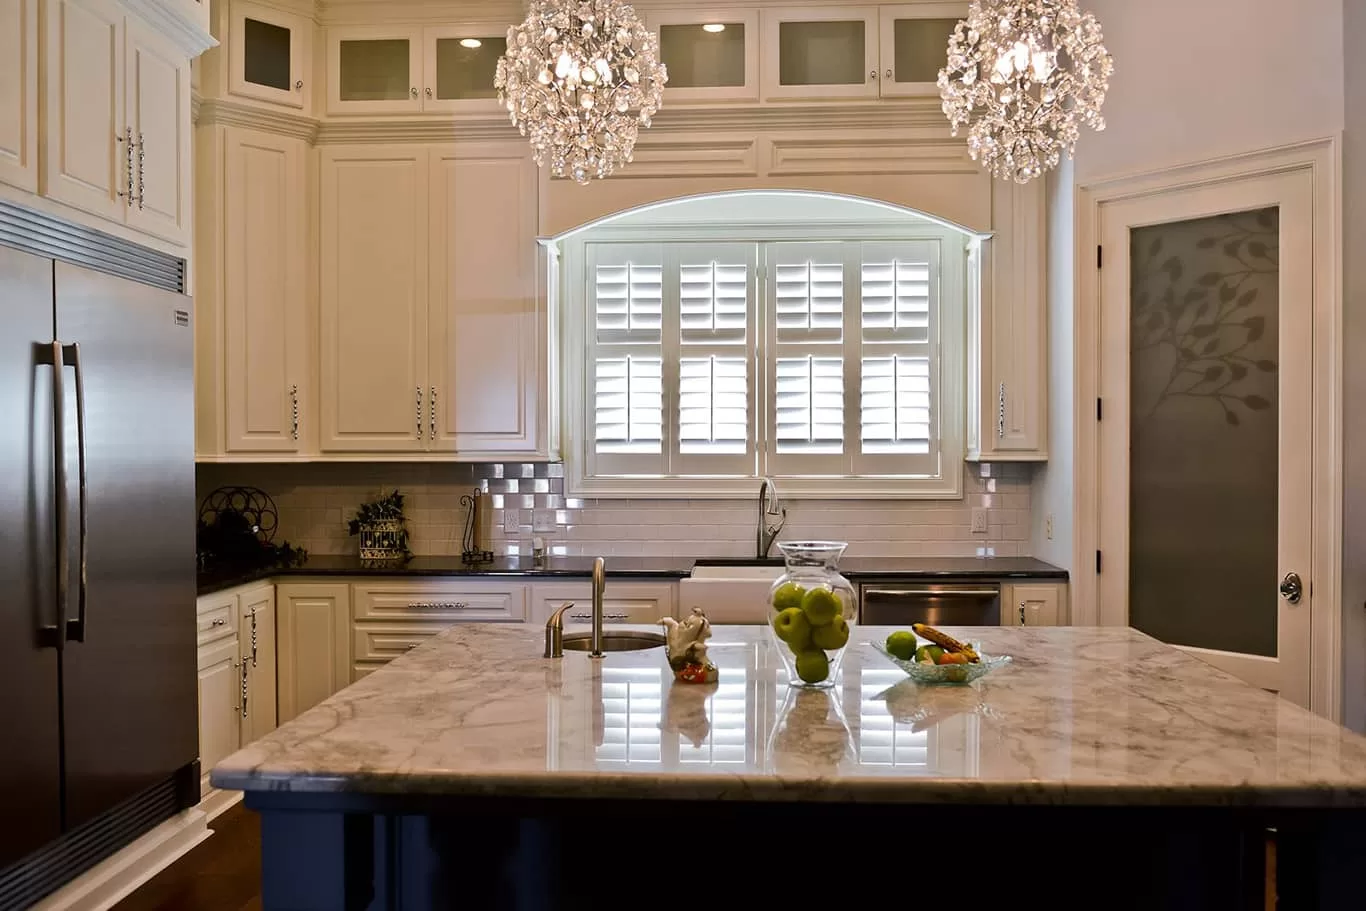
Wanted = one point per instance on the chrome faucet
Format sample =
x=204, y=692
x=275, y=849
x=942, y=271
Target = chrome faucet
x=770, y=506
x=599, y=583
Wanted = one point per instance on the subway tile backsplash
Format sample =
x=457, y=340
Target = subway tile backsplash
x=316, y=500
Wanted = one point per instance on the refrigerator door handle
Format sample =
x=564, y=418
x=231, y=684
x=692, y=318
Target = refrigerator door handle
x=55, y=635
x=75, y=629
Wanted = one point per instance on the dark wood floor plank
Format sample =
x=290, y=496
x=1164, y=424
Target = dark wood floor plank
x=222, y=874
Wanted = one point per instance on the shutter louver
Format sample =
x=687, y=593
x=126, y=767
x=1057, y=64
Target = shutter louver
x=628, y=405
x=713, y=302
x=810, y=301
x=713, y=405
x=629, y=302
x=895, y=405
x=809, y=406
x=896, y=301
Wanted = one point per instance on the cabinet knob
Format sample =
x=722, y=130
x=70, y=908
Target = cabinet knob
x=220, y=622
x=429, y=93
x=889, y=74
x=414, y=91
x=872, y=74
x=298, y=84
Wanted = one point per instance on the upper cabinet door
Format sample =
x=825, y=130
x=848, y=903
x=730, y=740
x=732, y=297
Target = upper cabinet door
x=914, y=42
x=712, y=55
x=19, y=93
x=89, y=161
x=268, y=54
x=374, y=70
x=265, y=347
x=820, y=53
x=157, y=100
x=374, y=299
x=485, y=326
x=458, y=67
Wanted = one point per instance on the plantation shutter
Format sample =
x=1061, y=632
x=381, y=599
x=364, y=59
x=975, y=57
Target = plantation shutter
x=898, y=337
x=714, y=286
x=625, y=377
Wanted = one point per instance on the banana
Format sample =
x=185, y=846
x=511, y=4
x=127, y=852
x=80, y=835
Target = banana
x=945, y=641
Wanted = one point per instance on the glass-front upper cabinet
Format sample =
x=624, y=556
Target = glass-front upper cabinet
x=374, y=70
x=914, y=43
x=268, y=54
x=458, y=67
x=712, y=55
x=820, y=52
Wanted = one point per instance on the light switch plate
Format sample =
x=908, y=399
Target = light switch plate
x=979, y=521
x=512, y=520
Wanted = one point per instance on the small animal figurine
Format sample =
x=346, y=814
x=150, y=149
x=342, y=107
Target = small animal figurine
x=687, y=648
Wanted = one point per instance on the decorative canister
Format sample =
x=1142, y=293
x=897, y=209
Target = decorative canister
x=812, y=613
x=383, y=539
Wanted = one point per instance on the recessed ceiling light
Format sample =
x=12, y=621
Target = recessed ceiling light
x=714, y=27
x=471, y=42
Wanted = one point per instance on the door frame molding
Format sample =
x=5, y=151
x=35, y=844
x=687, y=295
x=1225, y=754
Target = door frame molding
x=1321, y=159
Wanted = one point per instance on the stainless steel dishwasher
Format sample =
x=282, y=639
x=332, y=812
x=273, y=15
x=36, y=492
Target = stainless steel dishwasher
x=935, y=603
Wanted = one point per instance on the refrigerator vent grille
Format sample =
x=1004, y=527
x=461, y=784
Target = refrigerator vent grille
x=41, y=234
x=85, y=846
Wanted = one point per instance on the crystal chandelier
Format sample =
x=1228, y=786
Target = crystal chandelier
x=1022, y=74
x=580, y=77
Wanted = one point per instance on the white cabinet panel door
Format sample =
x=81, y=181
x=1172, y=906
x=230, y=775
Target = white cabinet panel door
x=87, y=152
x=314, y=642
x=19, y=93
x=157, y=95
x=220, y=687
x=265, y=348
x=374, y=299
x=485, y=374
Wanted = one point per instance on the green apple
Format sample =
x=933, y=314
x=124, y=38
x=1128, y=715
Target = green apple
x=813, y=666
x=831, y=636
x=928, y=654
x=789, y=594
x=820, y=605
x=793, y=628
x=901, y=644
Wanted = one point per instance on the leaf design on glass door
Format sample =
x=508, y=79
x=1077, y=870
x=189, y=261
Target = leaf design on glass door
x=1204, y=303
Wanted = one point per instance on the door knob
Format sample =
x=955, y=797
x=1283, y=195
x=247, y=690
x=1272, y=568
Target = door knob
x=1292, y=588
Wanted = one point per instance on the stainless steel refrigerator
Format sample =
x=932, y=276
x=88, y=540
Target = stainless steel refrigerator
x=97, y=633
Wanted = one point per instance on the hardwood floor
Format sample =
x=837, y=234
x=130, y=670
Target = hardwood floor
x=222, y=874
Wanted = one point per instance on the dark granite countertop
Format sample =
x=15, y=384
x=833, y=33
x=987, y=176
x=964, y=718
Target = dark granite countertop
x=857, y=569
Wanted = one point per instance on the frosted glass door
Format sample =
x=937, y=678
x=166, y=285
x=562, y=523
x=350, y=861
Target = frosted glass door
x=458, y=69
x=1206, y=428
x=710, y=56
x=267, y=55
x=821, y=53
x=914, y=46
x=372, y=71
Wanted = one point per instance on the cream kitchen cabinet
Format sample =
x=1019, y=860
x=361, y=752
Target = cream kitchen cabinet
x=855, y=53
x=712, y=55
x=117, y=132
x=1034, y=604
x=622, y=602
x=270, y=55
x=19, y=94
x=313, y=636
x=406, y=70
x=236, y=672
x=1008, y=332
x=433, y=333
x=255, y=382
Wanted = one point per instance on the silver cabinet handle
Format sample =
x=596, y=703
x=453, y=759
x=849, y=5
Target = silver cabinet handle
x=298, y=84
x=431, y=413
x=419, y=412
x=127, y=139
x=244, y=687
x=438, y=605
x=604, y=616
x=429, y=93
x=932, y=593
x=142, y=154
x=294, y=410
x=240, y=691
x=1001, y=414
x=414, y=91
x=889, y=74
x=872, y=74
x=220, y=622
x=1292, y=588
x=1022, y=614
x=253, y=638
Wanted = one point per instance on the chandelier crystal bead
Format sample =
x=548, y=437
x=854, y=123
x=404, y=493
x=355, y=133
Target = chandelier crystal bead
x=1022, y=75
x=579, y=79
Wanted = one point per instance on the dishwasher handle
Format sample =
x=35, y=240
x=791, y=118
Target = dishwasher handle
x=932, y=593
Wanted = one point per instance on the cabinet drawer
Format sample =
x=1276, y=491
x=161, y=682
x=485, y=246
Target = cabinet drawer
x=453, y=602
x=383, y=642
x=216, y=618
x=630, y=602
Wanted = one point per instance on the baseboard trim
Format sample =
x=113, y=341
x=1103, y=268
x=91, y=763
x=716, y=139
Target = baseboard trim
x=112, y=880
x=216, y=803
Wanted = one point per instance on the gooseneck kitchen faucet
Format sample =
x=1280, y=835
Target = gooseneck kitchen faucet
x=770, y=506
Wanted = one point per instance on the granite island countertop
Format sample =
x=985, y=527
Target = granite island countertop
x=1084, y=716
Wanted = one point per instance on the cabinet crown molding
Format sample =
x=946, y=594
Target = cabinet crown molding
x=187, y=35
x=227, y=112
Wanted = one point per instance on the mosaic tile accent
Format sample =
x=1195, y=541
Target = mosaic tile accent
x=315, y=500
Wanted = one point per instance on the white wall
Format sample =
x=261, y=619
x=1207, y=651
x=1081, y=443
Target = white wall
x=1054, y=489
x=1202, y=79
x=1354, y=342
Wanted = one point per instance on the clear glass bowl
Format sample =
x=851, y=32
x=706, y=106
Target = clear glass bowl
x=946, y=674
x=812, y=612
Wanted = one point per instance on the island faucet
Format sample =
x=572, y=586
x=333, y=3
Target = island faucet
x=599, y=583
x=770, y=506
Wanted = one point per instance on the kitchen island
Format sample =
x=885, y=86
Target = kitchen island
x=475, y=773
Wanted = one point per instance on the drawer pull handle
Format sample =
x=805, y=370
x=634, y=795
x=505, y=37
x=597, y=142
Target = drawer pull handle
x=604, y=616
x=438, y=605
x=220, y=622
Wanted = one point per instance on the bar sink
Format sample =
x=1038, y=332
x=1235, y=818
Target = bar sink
x=613, y=641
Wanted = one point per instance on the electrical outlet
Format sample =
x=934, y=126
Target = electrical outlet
x=512, y=520
x=542, y=520
x=1048, y=526
x=979, y=521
